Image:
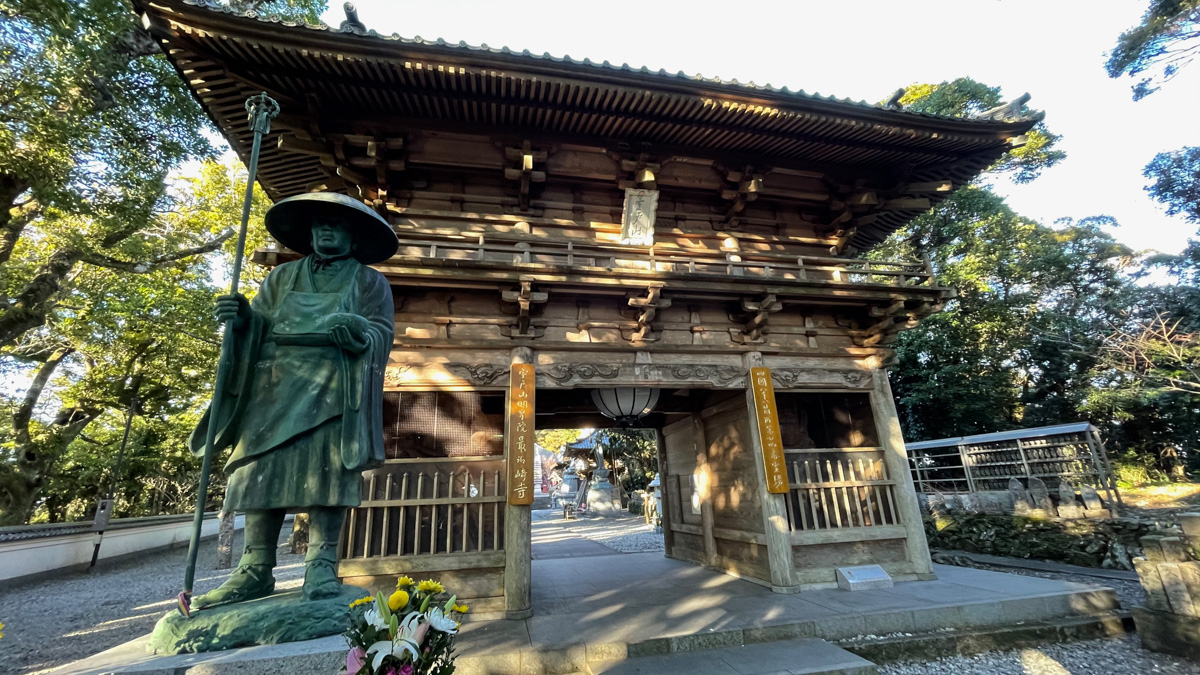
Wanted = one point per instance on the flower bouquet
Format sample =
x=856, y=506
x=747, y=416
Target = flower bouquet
x=410, y=632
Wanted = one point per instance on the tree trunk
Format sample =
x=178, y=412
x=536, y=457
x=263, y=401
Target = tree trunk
x=29, y=309
x=10, y=225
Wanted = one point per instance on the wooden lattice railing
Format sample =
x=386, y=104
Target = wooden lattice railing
x=752, y=264
x=834, y=488
x=426, y=507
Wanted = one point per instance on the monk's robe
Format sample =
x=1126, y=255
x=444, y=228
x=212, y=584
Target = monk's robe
x=302, y=415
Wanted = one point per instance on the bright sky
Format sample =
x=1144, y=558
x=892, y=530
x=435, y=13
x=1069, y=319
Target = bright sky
x=866, y=50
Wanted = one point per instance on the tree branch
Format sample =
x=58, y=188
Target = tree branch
x=142, y=267
x=24, y=412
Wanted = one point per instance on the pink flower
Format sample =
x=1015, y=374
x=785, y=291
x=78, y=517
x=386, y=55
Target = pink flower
x=355, y=659
x=422, y=630
x=406, y=670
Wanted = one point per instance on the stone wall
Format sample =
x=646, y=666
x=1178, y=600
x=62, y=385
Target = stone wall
x=1108, y=543
x=1170, y=575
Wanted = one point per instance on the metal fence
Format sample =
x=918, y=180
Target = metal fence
x=1071, y=453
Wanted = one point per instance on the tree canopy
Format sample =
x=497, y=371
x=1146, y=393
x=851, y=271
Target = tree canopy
x=1166, y=40
x=105, y=293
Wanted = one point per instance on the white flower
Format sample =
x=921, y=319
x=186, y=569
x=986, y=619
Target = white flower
x=403, y=643
x=439, y=621
x=373, y=617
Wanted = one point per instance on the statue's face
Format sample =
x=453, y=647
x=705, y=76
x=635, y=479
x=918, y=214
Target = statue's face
x=331, y=237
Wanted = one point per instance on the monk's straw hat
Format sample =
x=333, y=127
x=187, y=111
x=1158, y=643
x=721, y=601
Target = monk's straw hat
x=290, y=222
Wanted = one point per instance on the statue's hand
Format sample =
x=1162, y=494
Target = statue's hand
x=352, y=322
x=342, y=337
x=233, y=308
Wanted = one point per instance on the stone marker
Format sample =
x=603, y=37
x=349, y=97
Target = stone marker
x=1176, y=588
x=1173, y=549
x=862, y=578
x=1151, y=548
x=1020, y=496
x=1040, y=495
x=1067, y=506
x=1190, y=524
x=1156, y=595
x=1091, y=498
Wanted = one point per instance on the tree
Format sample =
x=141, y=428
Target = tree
x=1015, y=347
x=113, y=340
x=92, y=119
x=1166, y=40
x=965, y=97
x=94, y=258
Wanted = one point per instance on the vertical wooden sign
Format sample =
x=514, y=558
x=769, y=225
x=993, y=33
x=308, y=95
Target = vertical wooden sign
x=520, y=434
x=774, y=463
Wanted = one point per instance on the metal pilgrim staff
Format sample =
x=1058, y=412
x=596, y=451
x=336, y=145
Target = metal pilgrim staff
x=261, y=109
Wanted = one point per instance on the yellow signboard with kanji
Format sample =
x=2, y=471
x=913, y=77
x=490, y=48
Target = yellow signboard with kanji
x=520, y=434
x=774, y=462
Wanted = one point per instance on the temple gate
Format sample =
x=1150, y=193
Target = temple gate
x=610, y=227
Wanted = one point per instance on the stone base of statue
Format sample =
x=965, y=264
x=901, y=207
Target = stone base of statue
x=600, y=500
x=277, y=618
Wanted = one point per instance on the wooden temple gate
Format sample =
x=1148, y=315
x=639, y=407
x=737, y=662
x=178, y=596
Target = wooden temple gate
x=610, y=228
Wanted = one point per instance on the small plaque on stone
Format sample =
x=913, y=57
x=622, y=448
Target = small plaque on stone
x=863, y=578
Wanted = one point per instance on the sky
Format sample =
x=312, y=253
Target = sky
x=1053, y=49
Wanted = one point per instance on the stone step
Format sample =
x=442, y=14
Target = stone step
x=810, y=656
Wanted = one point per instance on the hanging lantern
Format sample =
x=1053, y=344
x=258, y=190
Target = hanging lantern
x=626, y=405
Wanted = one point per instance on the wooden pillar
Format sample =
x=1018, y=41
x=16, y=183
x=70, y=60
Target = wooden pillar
x=891, y=441
x=663, y=491
x=774, y=506
x=518, y=554
x=704, y=482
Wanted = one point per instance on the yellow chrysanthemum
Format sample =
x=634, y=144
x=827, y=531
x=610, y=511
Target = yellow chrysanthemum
x=431, y=586
x=404, y=582
x=398, y=600
x=461, y=609
x=362, y=601
x=1, y=629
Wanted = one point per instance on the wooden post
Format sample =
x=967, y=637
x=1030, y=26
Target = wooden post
x=705, y=488
x=891, y=441
x=518, y=554
x=668, y=534
x=773, y=506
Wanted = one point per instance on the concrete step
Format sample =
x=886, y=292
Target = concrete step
x=810, y=656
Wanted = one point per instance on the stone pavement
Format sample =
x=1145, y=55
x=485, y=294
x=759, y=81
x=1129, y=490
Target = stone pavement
x=601, y=608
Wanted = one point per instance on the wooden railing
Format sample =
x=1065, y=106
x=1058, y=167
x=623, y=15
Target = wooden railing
x=834, y=488
x=751, y=264
x=426, y=507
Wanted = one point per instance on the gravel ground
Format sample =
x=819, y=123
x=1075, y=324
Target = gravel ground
x=67, y=618
x=1123, y=656
x=627, y=534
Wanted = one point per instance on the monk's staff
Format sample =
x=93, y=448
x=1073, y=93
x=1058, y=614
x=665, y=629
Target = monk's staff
x=260, y=109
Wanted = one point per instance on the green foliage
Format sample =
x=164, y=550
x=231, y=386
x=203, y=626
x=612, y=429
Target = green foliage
x=1167, y=39
x=121, y=336
x=965, y=97
x=554, y=439
x=1175, y=180
x=638, y=451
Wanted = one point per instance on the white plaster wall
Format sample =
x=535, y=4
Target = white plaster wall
x=34, y=556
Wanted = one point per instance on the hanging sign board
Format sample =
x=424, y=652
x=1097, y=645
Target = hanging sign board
x=774, y=463
x=637, y=221
x=519, y=438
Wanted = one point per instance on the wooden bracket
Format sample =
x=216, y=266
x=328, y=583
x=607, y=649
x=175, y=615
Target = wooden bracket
x=525, y=173
x=520, y=302
x=754, y=328
x=645, y=309
x=740, y=188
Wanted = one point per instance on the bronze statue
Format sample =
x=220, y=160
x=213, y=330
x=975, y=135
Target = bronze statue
x=302, y=410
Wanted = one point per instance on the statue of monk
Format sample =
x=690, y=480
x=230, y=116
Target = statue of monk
x=303, y=408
